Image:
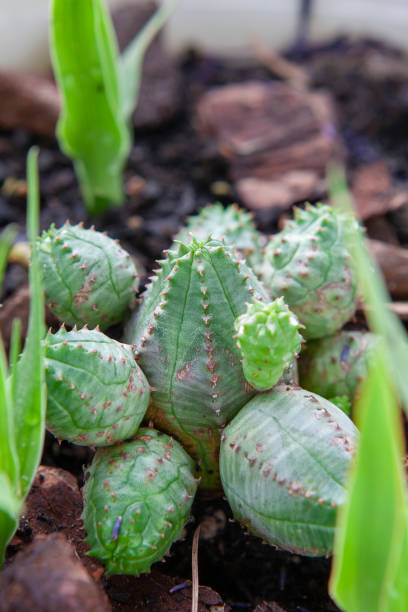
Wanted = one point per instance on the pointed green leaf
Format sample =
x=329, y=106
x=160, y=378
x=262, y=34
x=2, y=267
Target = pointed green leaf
x=8, y=453
x=381, y=320
x=92, y=129
x=29, y=386
x=370, y=554
x=132, y=58
x=6, y=241
x=10, y=507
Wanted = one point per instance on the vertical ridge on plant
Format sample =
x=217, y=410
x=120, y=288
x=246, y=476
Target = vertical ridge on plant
x=183, y=336
x=283, y=462
x=137, y=499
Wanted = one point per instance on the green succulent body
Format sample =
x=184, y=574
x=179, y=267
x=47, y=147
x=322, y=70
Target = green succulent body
x=336, y=365
x=231, y=224
x=268, y=338
x=309, y=264
x=183, y=335
x=137, y=498
x=88, y=278
x=97, y=394
x=283, y=463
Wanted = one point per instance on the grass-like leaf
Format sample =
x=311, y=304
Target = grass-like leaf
x=92, y=129
x=132, y=58
x=372, y=526
x=98, y=93
x=29, y=394
x=6, y=242
x=370, y=567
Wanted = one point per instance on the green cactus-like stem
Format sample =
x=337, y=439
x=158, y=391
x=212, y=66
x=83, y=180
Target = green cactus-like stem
x=268, y=338
x=336, y=365
x=309, y=264
x=283, y=463
x=88, y=278
x=97, y=394
x=184, y=342
x=137, y=499
x=230, y=223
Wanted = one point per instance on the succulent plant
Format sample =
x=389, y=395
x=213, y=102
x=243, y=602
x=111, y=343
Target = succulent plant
x=97, y=394
x=88, y=278
x=183, y=336
x=268, y=338
x=283, y=462
x=336, y=365
x=309, y=264
x=342, y=402
x=230, y=223
x=137, y=499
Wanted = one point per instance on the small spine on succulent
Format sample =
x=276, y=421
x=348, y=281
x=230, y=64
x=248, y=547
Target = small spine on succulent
x=268, y=338
x=88, y=277
x=137, y=499
x=97, y=394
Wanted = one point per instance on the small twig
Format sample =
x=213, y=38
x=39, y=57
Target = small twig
x=278, y=65
x=194, y=570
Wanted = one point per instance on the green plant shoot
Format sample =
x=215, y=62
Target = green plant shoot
x=370, y=567
x=22, y=390
x=99, y=93
x=6, y=241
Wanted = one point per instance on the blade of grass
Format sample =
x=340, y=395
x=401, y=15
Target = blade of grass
x=29, y=383
x=92, y=129
x=10, y=508
x=6, y=241
x=381, y=320
x=372, y=525
x=8, y=451
x=15, y=346
x=131, y=59
x=370, y=567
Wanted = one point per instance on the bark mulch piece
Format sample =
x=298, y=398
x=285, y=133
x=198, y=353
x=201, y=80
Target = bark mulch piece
x=47, y=576
x=276, y=139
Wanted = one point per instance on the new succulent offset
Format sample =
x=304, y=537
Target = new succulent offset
x=137, y=497
x=283, y=461
x=284, y=453
x=97, y=394
x=88, y=277
x=309, y=264
x=183, y=337
x=268, y=338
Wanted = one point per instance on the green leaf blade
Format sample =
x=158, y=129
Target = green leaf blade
x=10, y=508
x=372, y=524
x=91, y=129
x=29, y=382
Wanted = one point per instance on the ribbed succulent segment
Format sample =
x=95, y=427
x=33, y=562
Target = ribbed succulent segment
x=97, y=394
x=268, y=339
x=231, y=224
x=283, y=461
x=184, y=342
x=309, y=264
x=88, y=278
x=137, y=500
x=336, y=365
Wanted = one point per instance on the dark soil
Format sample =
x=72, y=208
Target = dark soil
x=171, y=174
